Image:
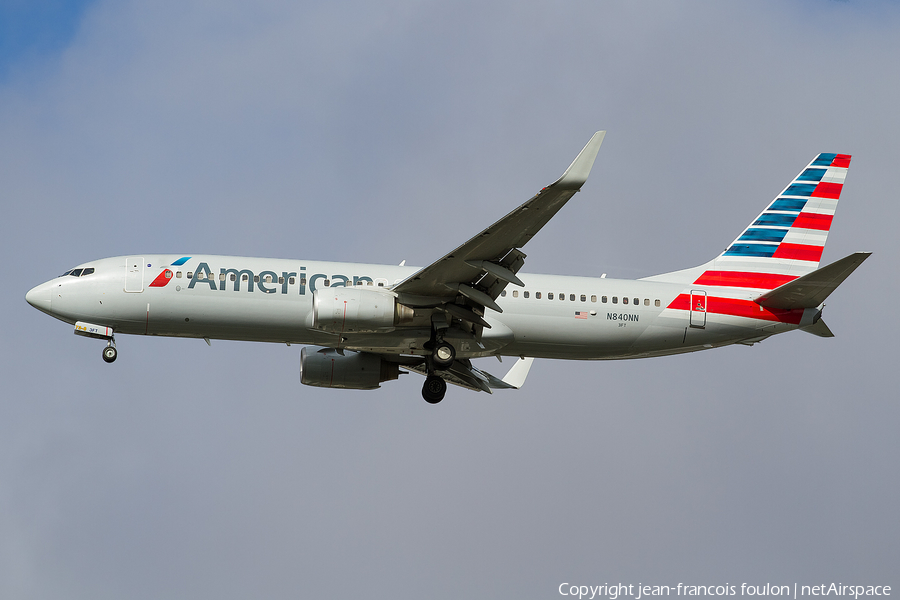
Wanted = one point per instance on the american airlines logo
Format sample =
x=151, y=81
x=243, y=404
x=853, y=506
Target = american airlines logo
x=268, y=282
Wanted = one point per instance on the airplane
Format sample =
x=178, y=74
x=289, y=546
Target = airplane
x=363, y=323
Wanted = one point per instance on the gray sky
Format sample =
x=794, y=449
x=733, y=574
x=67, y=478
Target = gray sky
x=395, y=130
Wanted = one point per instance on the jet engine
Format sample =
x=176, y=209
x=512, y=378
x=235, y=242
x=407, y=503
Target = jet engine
x=327, y=367
x=354, y=310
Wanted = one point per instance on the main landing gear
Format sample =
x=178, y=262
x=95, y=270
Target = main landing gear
x=434, y=389
x=441, y=359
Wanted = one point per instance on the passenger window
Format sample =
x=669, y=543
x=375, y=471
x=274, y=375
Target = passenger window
x=178, y=275
x=244, y=277
x=221, y=276
x=562, y=296
x=327, y=283
x=291, y=280
x=583, y=298
x=572, y=297
x=657, y=302
x=537, y=295
x=603, y=299
x=281, y=280
x=549, y=295
x=525, y=294
x=268, y=279
x=637, y=301
x=87, y=271
x=615, y=299
x=515, y=293
x=256, y=279
x=190, y=274
x=593, y=298
x=303, y=281
x=625, y=300
x=646, y=301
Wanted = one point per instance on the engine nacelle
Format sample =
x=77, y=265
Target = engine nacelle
x=326, y=367
x=354, y=310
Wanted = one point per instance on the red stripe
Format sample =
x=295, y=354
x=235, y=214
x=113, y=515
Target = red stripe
x=740, y=308
x=828, y=190
x=763, y=281
x=798, y=252
x=841, y=160
x=813, y=221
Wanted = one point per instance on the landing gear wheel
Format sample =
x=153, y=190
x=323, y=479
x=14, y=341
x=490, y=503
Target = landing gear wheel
x=110, y=354
x=434, y=389
x=443, y=356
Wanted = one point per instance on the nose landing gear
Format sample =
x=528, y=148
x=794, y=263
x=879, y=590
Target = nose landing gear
x=110, y=353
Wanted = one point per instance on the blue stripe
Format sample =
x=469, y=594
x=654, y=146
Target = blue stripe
x=763, y=235
x=799, y=189
x=181, y=261
x=751, y=250
x=824, y=160
x=811, y=175
x=793, y=204
x=776, y=220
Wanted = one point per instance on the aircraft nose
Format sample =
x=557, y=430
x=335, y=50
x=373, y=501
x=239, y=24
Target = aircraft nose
x=39, y=297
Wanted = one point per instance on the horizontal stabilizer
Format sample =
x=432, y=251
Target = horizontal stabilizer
x=811, y=290
x=818, y=328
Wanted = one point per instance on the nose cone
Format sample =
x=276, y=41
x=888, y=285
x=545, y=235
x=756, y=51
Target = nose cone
x=39, y=297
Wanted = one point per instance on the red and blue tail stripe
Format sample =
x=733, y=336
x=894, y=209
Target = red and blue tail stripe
x=783, y=243
x=788, y=237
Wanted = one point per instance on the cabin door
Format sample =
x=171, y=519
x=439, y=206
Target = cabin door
x=134, y=274
x=698, y=309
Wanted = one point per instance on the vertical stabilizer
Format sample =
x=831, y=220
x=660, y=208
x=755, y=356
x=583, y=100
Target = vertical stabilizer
x=786, y=240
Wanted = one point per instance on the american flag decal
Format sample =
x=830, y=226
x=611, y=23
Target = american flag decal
x=580, y=314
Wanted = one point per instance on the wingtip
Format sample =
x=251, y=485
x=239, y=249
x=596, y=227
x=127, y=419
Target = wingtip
x=578, y=171
x=518, y=372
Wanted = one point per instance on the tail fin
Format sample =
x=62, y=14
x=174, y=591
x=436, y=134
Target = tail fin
x=786, y=240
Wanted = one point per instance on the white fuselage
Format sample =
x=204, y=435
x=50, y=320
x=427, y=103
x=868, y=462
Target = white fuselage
x=271, y=300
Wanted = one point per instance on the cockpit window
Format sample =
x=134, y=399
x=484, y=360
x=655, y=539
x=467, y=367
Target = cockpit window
x=79, y=272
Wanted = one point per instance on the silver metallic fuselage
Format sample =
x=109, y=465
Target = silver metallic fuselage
x=222, y=307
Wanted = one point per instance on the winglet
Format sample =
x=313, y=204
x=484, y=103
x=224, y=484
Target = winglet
x=516, y=376
x=578, y=171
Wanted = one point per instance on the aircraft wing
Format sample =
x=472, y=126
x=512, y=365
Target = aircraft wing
x=464, y=374
x=811, y=290
x=473, y=275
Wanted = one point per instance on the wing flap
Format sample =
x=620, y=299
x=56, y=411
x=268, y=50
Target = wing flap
x=465, y=375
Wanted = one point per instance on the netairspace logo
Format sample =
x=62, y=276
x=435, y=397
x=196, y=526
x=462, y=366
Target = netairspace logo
x=795, y=591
